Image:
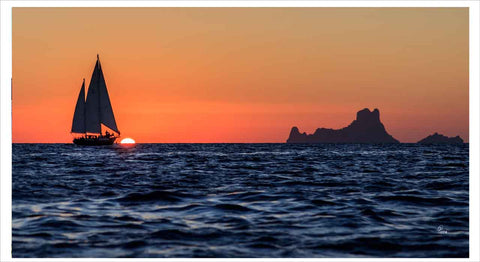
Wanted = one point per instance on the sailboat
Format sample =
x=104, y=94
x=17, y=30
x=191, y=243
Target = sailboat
x=95, y=111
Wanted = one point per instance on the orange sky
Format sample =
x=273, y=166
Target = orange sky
x=242, y=74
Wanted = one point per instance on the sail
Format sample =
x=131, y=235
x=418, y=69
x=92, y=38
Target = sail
x=92, y=105
x=78, y=124
x=98, y=107
x=106, y=112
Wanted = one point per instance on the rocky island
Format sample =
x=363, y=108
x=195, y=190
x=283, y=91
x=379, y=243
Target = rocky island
x=367, y=128
x=441, y=139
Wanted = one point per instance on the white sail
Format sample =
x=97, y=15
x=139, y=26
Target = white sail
x=78, y=124
x=98, y=107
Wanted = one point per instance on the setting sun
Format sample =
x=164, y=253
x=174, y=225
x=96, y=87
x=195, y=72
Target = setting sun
x=127, y=141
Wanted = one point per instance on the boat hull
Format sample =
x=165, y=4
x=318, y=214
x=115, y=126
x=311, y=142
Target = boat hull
x=94, y=141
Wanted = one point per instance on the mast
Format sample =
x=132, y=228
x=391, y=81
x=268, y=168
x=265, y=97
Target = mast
x=84, y=108
x=99, y=94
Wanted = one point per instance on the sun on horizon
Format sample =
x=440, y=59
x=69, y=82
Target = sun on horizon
x=127, y=141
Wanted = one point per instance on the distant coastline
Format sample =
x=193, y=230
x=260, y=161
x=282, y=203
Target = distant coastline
x=365, y=129
x=441, y=139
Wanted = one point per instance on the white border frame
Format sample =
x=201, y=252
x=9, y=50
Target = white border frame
x=6, y=120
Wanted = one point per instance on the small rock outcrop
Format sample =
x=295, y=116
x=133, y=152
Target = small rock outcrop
x=441, y=139
x=367, y=128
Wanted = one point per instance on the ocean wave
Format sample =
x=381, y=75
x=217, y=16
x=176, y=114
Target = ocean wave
x=240, y=200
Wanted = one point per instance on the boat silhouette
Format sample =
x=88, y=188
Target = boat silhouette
x=91, y=113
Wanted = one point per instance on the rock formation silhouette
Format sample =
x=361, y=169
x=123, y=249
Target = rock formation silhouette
x=367, y=128
x=441, y=139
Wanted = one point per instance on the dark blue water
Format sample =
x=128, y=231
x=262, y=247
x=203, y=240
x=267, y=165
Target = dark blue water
x=240, y=200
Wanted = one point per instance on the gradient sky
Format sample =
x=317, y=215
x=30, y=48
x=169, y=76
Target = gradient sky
x=242, y=74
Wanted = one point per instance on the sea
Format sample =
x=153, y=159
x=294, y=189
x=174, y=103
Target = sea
x=240, y=200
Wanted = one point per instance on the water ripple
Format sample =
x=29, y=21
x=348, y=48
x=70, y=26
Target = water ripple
x=240, y=200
